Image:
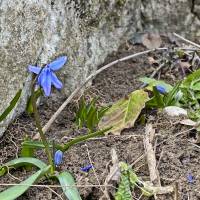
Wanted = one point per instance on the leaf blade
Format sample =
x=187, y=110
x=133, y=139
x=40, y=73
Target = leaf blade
x=17, y=190
x=124, y=112
x=71, y=192
x=19, y=162
x=11, y=106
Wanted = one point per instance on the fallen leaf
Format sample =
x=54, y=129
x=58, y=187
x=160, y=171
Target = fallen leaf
x=151, y=40
x=124, y=112
x=152, y=61
x=184, y=65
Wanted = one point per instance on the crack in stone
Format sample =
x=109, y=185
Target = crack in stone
x=193, y=9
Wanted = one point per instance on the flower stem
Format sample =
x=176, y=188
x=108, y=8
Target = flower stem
x=39, y=127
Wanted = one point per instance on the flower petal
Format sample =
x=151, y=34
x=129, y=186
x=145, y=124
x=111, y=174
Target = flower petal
x=58, y=157
x=46, y=81
x=55, y=81
x=34, y=69
x=161, y=89
x=58, y=63
x=42, y=76
x=87, y=168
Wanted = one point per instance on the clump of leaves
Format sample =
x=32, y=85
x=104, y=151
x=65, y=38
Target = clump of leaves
x=89, y=114
x=190, y=88
x=163, y=94
x=128, y=181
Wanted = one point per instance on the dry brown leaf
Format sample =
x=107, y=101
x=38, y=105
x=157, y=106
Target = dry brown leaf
x=152, y=40
x=152, y=61
x=185, y=65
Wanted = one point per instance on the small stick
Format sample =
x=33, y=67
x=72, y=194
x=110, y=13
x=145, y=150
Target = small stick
x=60, y=197
x=153, y=74
x=113, y=171
x=157, y=70
x=151, y=158
x=186, y=40
x=176, y=191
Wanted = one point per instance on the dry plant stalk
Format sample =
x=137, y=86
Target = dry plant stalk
x=154, y=186
x=150, y=154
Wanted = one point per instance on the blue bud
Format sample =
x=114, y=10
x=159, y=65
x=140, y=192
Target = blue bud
x=58, y=157
x=190, y=178
x=161, y=89
x=86, y=168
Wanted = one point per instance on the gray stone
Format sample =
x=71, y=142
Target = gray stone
x=85, y=31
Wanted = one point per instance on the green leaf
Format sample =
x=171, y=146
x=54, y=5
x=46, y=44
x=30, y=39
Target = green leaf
x=84, y=138
x=11, y=106
x=124, y=112
x=27, y=152
x=19, y=162
x=34, y=144
x=89, y=115
x=158, y=98
x=169, y=99
x=29, y=107
x=191, y=79
x=68, y=185
x=124, y=188
x=13, y=192
x=39, y=145
x=153, y=82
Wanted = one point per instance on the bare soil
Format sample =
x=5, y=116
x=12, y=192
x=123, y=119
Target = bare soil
x=176, y=155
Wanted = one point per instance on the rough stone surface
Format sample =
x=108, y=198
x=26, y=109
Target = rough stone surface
x=85, y=31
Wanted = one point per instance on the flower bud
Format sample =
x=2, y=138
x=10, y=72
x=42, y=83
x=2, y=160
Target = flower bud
x=86, y=168
x=190, y=178
x=58, y=157
x=161, y=89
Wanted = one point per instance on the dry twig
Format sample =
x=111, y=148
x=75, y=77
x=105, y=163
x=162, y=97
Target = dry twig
x=186, y=40
x=151, y=158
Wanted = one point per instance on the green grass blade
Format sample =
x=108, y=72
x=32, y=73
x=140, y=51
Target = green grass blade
x=11, y=106
x=172, y=93
x=68, y=185
x=13, y=192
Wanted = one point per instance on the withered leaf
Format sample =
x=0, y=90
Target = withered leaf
x=124, y=112
x=152, y=40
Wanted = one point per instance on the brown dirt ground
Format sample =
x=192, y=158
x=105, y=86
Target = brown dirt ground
x=175, y=154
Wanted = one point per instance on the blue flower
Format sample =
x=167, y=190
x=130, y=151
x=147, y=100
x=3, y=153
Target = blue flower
x=47, y=76
x=190, y=178
x=58, y=157
x=86, y=168
x=161, y=89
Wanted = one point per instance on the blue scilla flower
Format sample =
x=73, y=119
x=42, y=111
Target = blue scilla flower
x=86, y=168
x=190, y=178
x=47, y=76
x=161, y=89
x=58, y=157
